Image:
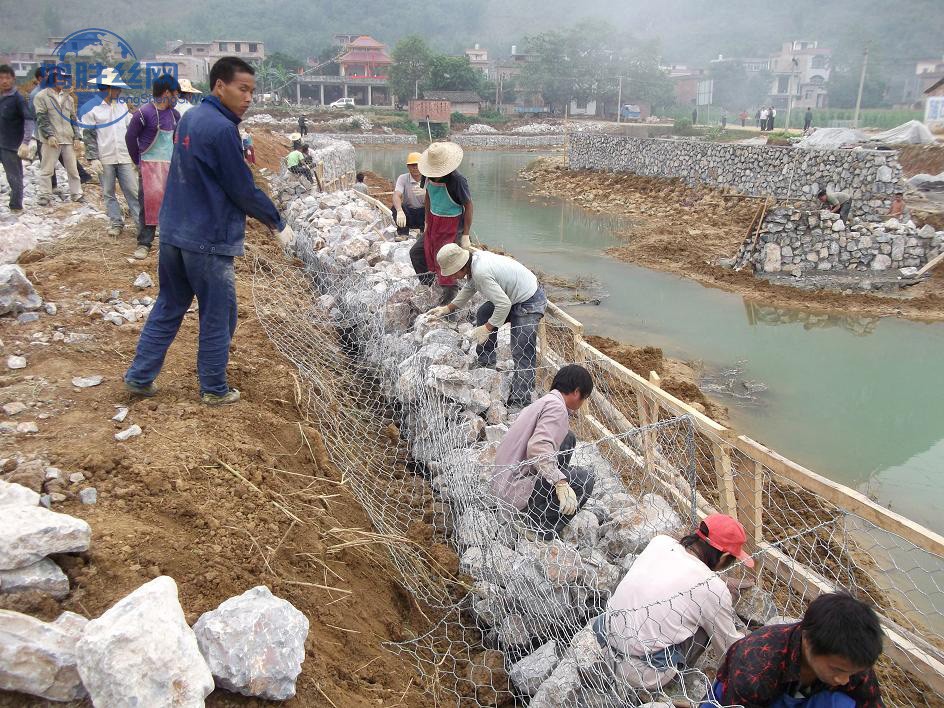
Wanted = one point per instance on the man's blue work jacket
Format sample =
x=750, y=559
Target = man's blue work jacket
x=210, y=190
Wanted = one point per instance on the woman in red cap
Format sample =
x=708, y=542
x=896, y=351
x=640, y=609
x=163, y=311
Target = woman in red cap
x=671, y=602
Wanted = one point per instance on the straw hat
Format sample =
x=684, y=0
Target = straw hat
x=440, y=159
x=413, y=158
x=110, y=77
x=187, y=87
x=452, y=258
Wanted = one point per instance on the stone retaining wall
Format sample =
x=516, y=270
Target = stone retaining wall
x=800, y=241
x=336, y=156
x=368, y=138
x=872, y=176
x=508, y=141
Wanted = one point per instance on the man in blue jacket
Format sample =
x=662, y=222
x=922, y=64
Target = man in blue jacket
x=210, y=192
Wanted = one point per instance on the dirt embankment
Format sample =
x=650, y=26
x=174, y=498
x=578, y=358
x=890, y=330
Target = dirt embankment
x=673, y=227
x=221, y=499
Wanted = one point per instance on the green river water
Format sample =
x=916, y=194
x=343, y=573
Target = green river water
x=857, y=400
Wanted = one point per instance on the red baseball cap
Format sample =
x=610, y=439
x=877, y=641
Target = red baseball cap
x=727, y=535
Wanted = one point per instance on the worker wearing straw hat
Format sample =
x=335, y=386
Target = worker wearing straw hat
x=105, y=120
x=448, y=209
x=189, y=96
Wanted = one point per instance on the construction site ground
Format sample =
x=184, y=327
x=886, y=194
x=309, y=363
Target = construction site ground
x=686, y=230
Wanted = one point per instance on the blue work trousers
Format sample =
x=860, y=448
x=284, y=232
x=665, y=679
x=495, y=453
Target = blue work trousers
x=183, y=274
x=824, y=699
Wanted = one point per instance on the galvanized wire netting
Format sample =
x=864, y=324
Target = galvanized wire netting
x=412, y=424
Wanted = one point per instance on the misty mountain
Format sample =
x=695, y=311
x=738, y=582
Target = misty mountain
x=688, y=31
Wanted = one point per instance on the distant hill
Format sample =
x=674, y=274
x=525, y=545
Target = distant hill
x=689, y=31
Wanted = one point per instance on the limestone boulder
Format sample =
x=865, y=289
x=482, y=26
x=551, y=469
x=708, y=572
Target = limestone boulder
x=141, y=652
x=39, y=658
x=560, y=689
x=12, y=494
x=529, y=673
x=16, y=291
x=631, y=529
x=44, y=576
x=30, y=533
x=254, y=644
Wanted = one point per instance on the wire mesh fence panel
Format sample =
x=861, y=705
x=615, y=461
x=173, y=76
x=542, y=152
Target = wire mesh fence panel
x=411, y=411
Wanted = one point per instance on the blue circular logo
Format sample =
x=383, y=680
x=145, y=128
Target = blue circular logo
x=91, y=51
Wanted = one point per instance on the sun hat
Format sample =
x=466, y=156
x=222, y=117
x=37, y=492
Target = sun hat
x=440, y=159
x=724, y=533
x=110, y=77
x=452, y=258
x=413, y=158
x=187, y=87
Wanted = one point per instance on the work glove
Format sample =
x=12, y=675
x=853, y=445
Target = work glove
x=53, y=142
x=96, y=167
x=566, y=498
x=286, y=236
x=79, y=147
x=23, y=152
x=401, y=220
x=437, y=312
x=480, y=334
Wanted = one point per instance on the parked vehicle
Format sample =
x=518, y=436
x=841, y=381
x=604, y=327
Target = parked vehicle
x=342, y=103
x=631, y=112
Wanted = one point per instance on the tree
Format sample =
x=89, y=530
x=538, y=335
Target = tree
x=843, y=87
x=411, y=60
x=448, y=73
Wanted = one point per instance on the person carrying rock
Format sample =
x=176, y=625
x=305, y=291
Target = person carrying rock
x=210, y=192
x=150, y=141
x=448, y=209
x=533, y=459
x=824, y=661
x=837, y=202
x=16, y=130
x=409, y=210
x=105, y=122
x=671, y=602
x=512, y=295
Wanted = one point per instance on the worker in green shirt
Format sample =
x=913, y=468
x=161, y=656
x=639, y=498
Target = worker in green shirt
x=297, y=162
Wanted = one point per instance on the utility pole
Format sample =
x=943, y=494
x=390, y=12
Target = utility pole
x=865, y=63
x=793, y=75
x=619, y=100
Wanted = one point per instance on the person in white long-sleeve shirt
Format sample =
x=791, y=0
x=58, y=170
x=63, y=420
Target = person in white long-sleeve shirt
x=533, y=471
x=105, y=121
x=513, y=295
x=671, y=602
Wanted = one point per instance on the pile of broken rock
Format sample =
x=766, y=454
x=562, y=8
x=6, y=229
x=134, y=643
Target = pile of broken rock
x=140, y=652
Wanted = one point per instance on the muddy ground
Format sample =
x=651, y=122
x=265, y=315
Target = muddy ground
x=220, y=499
x=673, y=227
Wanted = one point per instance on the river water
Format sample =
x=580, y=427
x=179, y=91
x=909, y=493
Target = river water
x=858, y=400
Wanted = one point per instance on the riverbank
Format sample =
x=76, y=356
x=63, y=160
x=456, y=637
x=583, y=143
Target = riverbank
x=685, y=230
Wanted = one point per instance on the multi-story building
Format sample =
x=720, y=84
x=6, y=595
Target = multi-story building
x=194, y=59
x=800, y=72
x=478, y=58
x=22, y=63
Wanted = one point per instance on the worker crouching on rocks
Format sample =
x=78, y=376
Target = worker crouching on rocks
x=671, y=602
x=837, y=202
x=513, y=295
x=533, y=460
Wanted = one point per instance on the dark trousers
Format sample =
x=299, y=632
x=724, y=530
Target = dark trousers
x=844, y=211
x=303, y=129
x=543, y=509
x=13, y=167
x=418, y=259
x=524, y=318
x=145, y=232
x=415, y=219
x=181, y=275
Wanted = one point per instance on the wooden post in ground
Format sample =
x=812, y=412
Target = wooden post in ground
x=723, y=471
x=319, y=176
x=749, y=497
x=648, y=409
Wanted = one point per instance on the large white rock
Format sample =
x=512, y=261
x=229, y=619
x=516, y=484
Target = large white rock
x=30, y=533
x=530, y=672
x=772, y=258
x=16, y=291
x=560, y=689
x=254, y=644
x=12, y=494
x=44, y=576
x=631, y=529
x=38, y=658
x=142, y=653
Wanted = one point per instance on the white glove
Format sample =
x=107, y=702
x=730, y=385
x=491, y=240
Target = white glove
x=480, y=334
x=96, y=167
x=53, y=142
x=438, y=312
x=23, y=152
x=464, y=241
x=286, y=236
x=79, y=147
x=401, y=219
x=566, y=498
